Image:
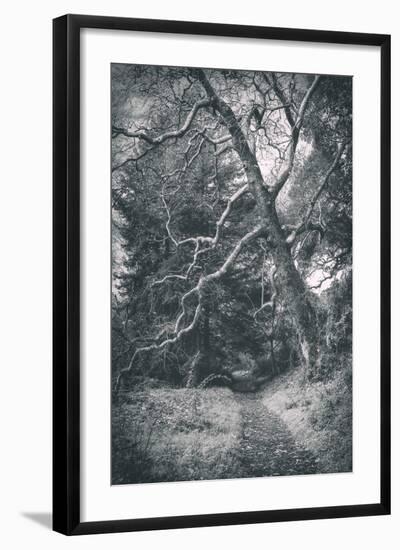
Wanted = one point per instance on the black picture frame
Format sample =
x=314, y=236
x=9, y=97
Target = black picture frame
x=66, y=272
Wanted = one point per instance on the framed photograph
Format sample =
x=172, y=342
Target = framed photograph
x=221, y=274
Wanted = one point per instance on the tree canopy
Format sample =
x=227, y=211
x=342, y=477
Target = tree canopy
x=232, y=220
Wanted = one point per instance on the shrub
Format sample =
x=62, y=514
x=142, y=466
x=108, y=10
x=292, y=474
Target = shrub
x=175, y=434
x=246, y=362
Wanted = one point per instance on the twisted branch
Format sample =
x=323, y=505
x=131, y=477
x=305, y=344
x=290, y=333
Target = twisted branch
x=198, y=241
x=145, y=135
x=306, y=223
x=197, y=290
x=296, y=127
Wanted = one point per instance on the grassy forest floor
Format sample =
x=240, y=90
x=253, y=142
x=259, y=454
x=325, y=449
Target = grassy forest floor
x=287, y=428
x=318, y=414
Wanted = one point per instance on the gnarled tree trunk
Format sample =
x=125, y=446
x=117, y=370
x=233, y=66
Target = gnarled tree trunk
x=292, y=289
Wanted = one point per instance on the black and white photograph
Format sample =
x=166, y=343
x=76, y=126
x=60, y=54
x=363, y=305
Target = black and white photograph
x=231, y=274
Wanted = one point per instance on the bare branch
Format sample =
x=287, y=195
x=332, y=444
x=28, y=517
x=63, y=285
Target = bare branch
x=287, y=169
x=197, y=290
x=239, y=193
x=217, y=141
x=280, y=94
x=272, y=302
x=130, y=159
x=257, y=186
x=255, y=233
x=141, y=134
x=198, y=241
x=306, y=224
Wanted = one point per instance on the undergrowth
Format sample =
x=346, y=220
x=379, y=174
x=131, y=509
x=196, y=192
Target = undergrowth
x=319, y=413
x=175, y=435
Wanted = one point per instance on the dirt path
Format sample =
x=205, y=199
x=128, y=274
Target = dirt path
x=267, y=447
